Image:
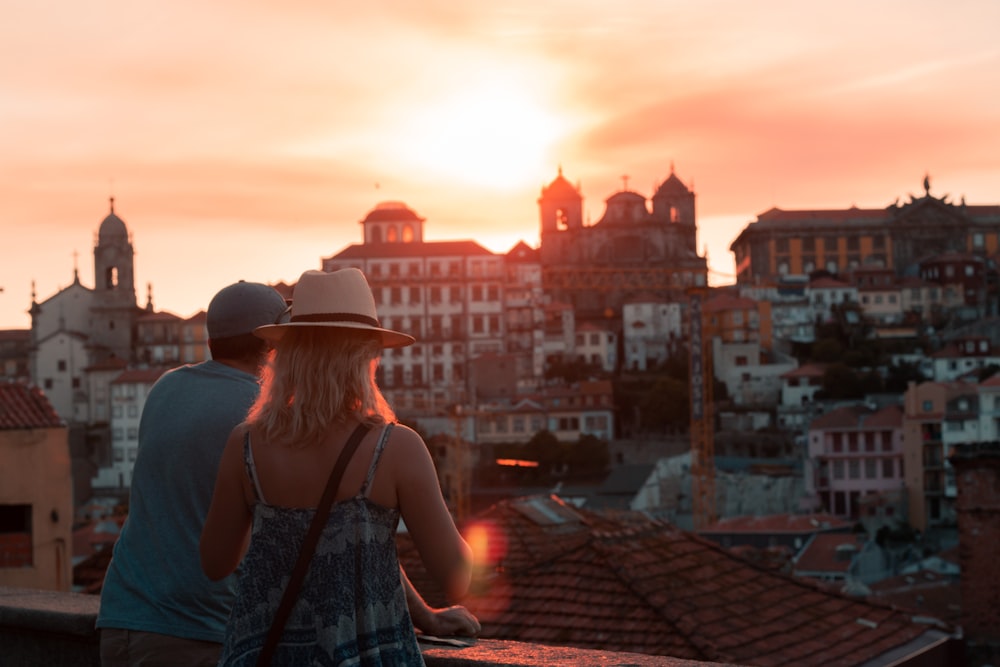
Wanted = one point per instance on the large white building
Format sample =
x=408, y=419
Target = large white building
x=460, y=300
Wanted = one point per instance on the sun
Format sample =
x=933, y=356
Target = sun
x=490, y=133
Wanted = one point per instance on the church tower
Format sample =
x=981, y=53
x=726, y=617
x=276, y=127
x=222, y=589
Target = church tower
x=114, y=302
x=561, y=212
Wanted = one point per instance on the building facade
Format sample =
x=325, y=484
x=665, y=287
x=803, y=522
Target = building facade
x=635, y=248
x=853, y=452
x=898, y=237
x=450, y=295
x=36, y=492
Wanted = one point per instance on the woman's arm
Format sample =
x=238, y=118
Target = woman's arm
x=453, y=620
x=226, y=533
x=445, y=554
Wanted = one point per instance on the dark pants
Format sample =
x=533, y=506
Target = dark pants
x=131, y=648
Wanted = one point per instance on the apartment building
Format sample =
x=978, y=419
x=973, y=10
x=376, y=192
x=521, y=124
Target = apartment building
x=452, y=296
x=853, y=452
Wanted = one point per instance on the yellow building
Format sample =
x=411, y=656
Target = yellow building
x=36, y=492
x=784, y=243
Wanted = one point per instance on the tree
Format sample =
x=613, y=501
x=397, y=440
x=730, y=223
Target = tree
x=841, y=382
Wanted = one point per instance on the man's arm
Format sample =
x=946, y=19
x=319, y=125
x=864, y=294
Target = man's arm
x=454, y=620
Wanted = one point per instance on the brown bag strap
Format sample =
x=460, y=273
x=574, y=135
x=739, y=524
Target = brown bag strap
x=308, y=546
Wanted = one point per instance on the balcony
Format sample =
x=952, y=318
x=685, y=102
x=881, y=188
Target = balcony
x=51, y=628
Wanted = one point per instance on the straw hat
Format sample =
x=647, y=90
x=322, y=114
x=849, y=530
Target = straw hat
x=340, y=299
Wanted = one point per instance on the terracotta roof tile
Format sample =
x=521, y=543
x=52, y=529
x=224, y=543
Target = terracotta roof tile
x=24, y=407
x=621, y=581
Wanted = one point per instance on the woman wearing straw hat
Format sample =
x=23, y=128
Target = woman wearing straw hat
x=318, y=398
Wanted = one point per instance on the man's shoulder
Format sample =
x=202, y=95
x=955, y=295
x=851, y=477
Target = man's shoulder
x=207, y=370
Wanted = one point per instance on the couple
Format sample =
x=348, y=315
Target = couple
x=227, y=479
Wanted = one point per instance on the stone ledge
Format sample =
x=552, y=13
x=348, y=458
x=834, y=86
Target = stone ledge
x=52, y=629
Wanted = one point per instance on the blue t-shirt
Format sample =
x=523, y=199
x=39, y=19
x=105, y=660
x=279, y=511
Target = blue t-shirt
x=154, y=582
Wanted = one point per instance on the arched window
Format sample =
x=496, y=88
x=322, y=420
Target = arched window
x=391, y=235
x=376, y=234
x=408, y=234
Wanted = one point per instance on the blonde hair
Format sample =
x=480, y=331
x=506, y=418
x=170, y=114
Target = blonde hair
x=316, y=378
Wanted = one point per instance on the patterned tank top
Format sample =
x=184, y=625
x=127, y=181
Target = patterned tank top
x=351, y=609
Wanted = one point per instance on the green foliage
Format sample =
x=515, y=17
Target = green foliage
x=899, y=376
x=841, y=382
x=826, y=351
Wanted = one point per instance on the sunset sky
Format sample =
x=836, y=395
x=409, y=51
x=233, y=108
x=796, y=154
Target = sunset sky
x=248, y=139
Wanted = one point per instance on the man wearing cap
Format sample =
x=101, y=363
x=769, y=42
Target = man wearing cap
x=157, y=606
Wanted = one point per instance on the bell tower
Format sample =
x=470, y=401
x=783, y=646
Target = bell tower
x=114, y=304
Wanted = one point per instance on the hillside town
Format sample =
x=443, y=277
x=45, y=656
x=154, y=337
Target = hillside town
x=824, y=429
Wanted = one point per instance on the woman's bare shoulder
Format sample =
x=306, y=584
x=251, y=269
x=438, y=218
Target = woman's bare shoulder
x=402, y=438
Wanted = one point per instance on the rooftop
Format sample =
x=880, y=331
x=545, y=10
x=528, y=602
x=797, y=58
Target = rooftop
x=621, y=581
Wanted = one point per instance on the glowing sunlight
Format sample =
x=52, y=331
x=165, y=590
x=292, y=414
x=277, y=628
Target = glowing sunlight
x=493, y=133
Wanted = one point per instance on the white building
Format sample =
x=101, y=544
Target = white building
x=597, y=346
x=651, y=329
x=450, y=295
x=128, y=396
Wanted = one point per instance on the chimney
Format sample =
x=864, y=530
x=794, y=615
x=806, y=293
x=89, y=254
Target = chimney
x=977, y=473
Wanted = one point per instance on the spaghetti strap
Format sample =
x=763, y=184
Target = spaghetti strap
x=251, y=467
x=379, y=448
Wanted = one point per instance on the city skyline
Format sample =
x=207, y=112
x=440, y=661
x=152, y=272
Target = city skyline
x=247, y=141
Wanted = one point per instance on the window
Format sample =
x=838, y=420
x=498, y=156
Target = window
x=853, y=469
x=15, y=536
x=838, y=469
x=414, y=295
x=871, y=469
x=887, y=468
x=61, y=365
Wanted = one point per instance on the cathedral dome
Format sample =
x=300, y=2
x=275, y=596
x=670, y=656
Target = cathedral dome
x=392, y=211
x=112, y=227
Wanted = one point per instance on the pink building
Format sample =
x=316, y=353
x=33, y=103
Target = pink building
x=856, y=452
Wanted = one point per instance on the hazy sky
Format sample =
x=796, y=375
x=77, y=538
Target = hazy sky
x=248, y=139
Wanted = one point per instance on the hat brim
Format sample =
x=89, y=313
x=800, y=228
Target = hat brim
x=389, y=337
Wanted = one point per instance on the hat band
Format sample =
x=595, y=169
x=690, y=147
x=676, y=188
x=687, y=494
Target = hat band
x=336, y=317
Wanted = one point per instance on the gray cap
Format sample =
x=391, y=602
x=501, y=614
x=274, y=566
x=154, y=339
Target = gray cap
x=242, y=307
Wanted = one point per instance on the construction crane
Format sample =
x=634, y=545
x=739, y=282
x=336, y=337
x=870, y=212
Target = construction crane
x=702, y=427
